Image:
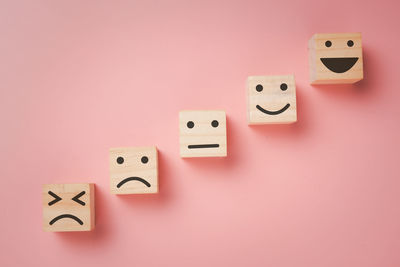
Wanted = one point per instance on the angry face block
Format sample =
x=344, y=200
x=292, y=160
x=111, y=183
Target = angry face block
x=68, y=207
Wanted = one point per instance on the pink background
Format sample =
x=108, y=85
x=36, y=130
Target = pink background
x=78, y=77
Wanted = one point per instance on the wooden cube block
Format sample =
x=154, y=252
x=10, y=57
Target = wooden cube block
x=134, y=170
x=335, y=58
x=202, y=133
x=68, y=207
x=271, y=99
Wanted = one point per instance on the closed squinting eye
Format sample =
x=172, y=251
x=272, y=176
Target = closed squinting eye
x=77, y=200
x=55, y=200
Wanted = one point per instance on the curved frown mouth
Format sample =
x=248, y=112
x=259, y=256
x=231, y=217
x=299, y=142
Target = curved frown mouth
x=339, y=64
x=66, y=216
x=133, y=179
x=273, y=112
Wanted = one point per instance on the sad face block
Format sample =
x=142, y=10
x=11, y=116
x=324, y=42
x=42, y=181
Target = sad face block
x=68, y=207
x=271, y=99
x=335, y=58
x=134, y=170
x=202, y=133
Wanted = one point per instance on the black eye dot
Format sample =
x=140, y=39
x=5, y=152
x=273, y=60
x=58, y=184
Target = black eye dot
x=144, y=159
x=190, y=124
x=283, y=86
x=350, y=43
x=259, y=87
x=120, y=160
x=214, y=123
x=328, y=43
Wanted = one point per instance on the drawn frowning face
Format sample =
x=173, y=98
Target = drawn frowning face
x=133, y=170
x=68, y=207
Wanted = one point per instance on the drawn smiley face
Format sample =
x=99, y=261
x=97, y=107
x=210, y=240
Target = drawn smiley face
x=202, y=133
x=271, y=99
x=68, y=207
x=335, y=58
x=133, y=170
x=339, y=64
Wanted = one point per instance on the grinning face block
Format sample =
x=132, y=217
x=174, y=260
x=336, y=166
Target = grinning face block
x=335, y=58
x=271, y=99
x=68, y=207
x=133, y=170
x=202, y=133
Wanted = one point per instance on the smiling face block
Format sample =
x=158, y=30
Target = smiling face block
x=68, y=207
x=335, y=58
x=202, y=133
x=271, y=99
x=134, y=170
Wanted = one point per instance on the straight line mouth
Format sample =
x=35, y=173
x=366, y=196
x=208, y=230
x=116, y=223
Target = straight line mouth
x=203, y=146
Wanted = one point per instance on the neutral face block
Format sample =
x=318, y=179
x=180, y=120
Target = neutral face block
x=68, y=207
x=134, y=170
x=271, y=99
x=335, y=58
x=202, y=133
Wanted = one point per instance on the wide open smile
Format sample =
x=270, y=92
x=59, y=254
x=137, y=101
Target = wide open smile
x=339, y=64
x=273, y=112
x=133, y=179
